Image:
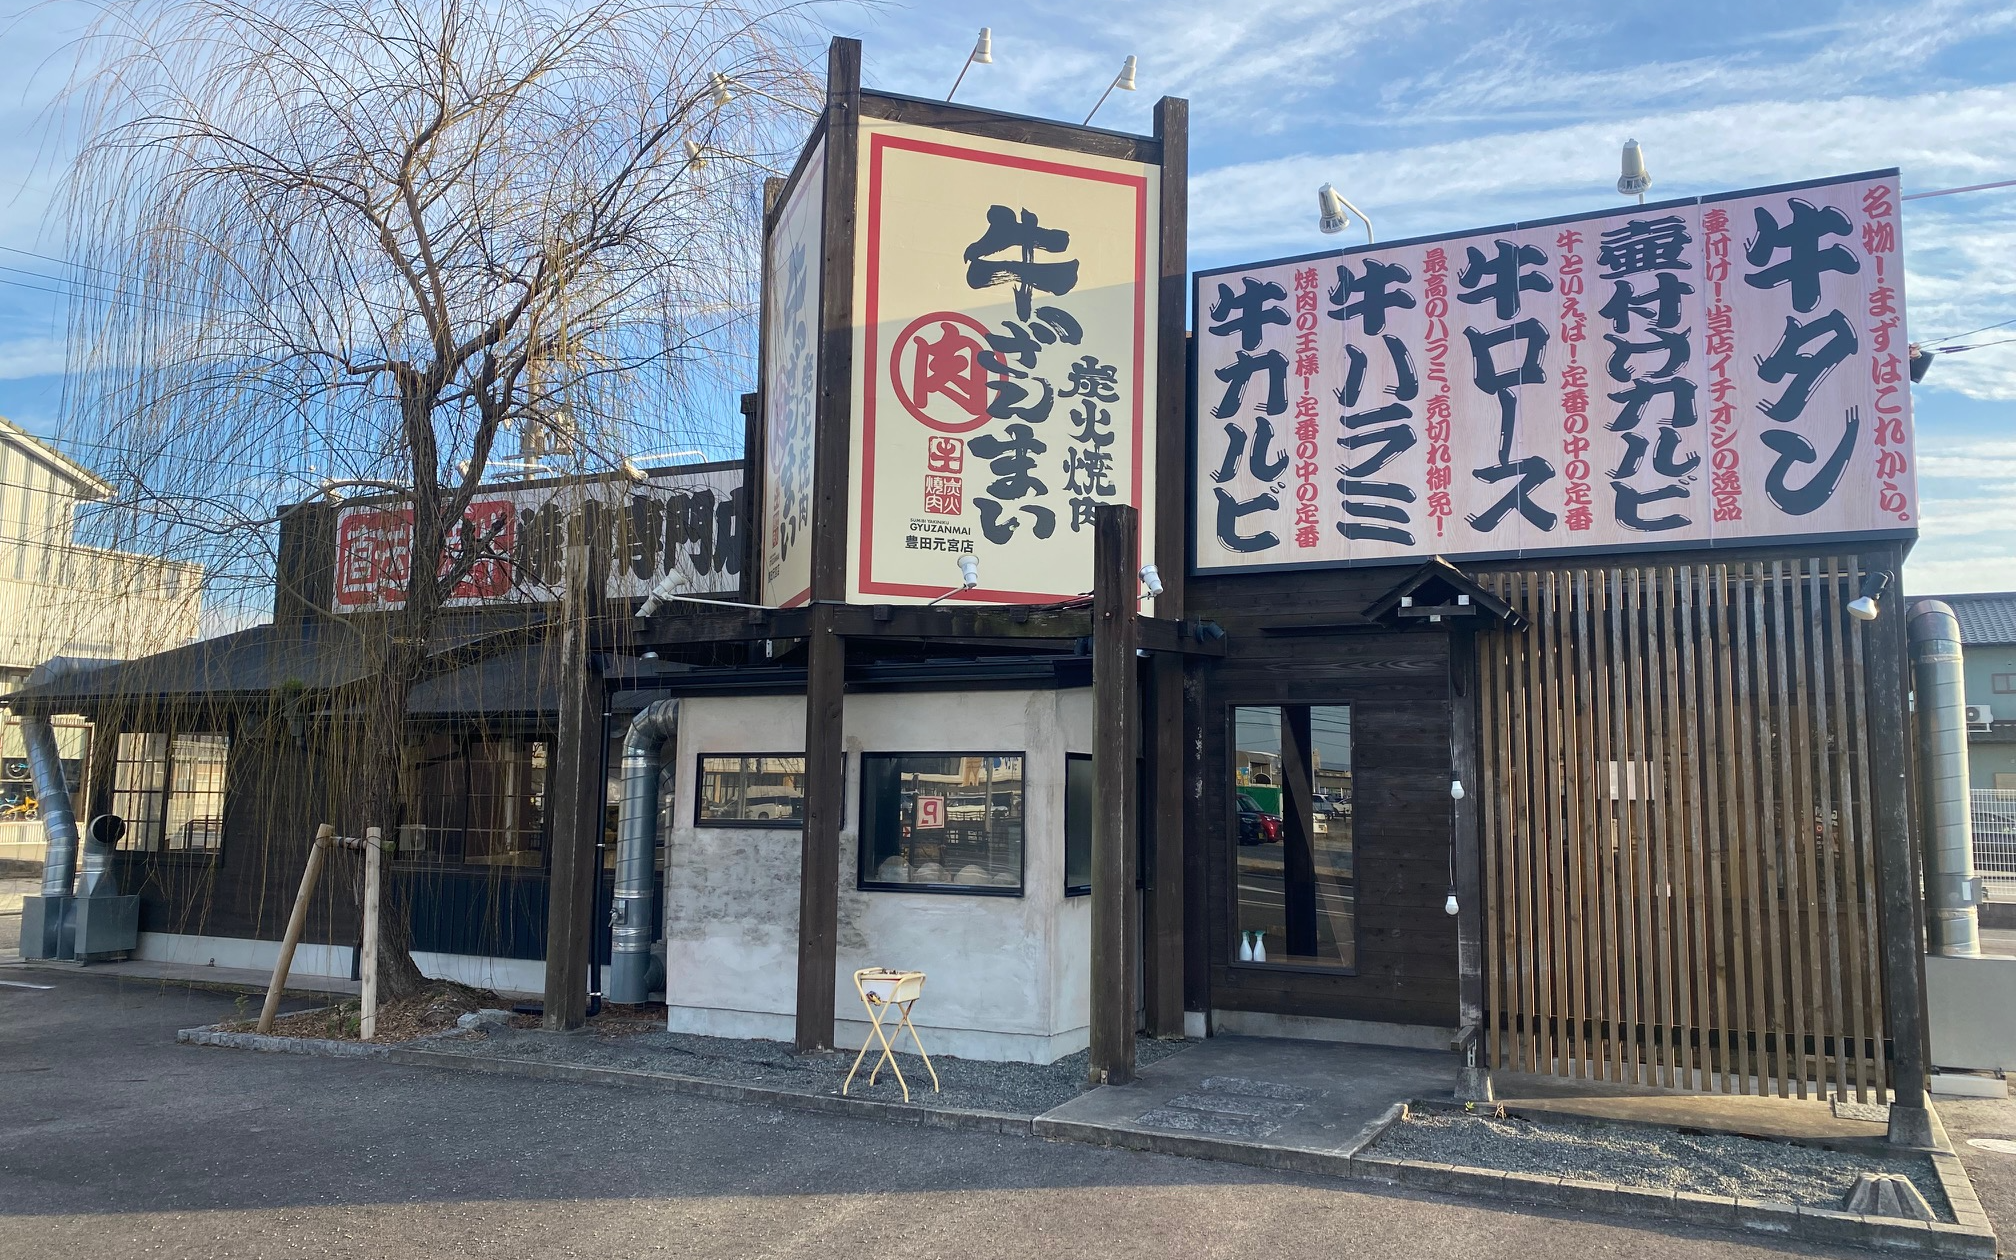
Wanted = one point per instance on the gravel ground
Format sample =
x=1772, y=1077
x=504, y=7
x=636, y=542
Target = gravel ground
x=1024, y=1089
x=1644, y=1155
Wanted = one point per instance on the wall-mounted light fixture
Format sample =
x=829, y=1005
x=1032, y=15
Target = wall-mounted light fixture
x=1151, y=581
x=1863, y=606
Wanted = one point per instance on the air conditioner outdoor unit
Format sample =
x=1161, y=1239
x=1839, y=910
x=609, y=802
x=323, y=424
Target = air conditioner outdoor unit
x=1979, y=718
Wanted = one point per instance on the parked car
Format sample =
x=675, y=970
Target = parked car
x=1256, y=825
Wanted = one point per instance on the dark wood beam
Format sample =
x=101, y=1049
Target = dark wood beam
x=826, y=650
x=1473, y=1081
x=1897, y=878
x=1169, y=746
x=578, y=798
x=1116, y=708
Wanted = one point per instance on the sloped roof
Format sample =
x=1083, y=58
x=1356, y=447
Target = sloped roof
x=317, y=655
x=1985, y=619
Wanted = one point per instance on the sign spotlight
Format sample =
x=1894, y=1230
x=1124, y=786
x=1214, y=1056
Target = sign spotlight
x=982, y=55
x=1124, y=81
x=1635, y=179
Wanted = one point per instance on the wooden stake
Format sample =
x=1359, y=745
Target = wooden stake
x=296, y=922
x=367, y=967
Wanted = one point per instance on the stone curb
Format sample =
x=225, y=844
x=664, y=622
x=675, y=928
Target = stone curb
x=1335, y=1162
x=1807, y=1224
x=316, y=1047
x=726, y=1091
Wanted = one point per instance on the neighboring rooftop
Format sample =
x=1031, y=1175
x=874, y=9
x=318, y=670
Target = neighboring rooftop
x=1985, y=619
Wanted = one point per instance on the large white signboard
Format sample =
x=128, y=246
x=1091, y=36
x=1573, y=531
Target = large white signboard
x=1693, y=373
x=791, y=385
x=688, y=522
x=1004, y=362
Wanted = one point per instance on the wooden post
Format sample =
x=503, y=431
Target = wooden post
x=819, y=855
x=297, y=922
x=1474, y=1079
x=825, y=651
x=576, y=799
x=1116, y=709
x=1162, y=953
x=374, y=869
x=1896, y=872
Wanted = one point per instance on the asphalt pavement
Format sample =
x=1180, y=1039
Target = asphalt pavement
x=115, y=1142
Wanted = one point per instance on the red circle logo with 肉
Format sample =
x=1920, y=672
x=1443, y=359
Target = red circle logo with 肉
x=936, y=371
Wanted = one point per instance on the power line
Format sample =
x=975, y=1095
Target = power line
x=1957, y=336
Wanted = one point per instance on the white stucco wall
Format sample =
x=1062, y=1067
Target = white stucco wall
x=1008, y=975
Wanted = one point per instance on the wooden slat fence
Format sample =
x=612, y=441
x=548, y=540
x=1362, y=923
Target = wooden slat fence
x=1679, y=865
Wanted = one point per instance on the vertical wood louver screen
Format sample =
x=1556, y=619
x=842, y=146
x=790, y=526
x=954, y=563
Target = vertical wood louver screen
x=1678, y=851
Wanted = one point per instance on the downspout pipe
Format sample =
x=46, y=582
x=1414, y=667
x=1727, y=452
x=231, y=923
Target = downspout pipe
x=1952, y=924
x=650, y=733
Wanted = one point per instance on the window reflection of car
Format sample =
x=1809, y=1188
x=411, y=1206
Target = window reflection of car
x=1256, y=825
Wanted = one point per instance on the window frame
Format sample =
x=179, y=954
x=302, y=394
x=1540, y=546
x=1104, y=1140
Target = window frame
x=862, y=883
x=1071, y=889
x=1231, y=823
x=165, y=794
x=2002, y=684
x=764, y=824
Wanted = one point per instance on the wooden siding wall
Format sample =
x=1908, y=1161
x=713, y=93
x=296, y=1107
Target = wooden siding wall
x=1677, y=829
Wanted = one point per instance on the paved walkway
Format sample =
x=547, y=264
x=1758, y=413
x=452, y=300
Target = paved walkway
x=1283, y=1099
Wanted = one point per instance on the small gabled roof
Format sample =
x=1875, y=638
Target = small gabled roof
x=1986, y=619
x=1438, y=589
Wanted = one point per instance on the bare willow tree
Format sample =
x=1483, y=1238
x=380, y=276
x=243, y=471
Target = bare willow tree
x=333, y=240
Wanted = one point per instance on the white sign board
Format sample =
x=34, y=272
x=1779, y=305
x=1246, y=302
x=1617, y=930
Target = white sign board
x=1004, y=361
x=1697, y=373
x=686, y=521
x=791, y=385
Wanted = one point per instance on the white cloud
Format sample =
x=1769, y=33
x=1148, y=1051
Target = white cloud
x=31, y=356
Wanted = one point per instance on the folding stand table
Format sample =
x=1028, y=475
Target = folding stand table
x=883, y=991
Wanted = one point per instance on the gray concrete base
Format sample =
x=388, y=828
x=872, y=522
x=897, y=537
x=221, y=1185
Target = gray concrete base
x=1473, y=1084
x=1912, y=1126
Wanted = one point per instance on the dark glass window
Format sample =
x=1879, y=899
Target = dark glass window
x=942, y=823
x=1077, y=825
x=750, y=790
x=1292, y=810
x=480, y=801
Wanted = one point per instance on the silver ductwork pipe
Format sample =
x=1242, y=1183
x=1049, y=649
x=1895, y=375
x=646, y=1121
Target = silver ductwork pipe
x=644, y=745
x=1952, y=924
x=52, y=798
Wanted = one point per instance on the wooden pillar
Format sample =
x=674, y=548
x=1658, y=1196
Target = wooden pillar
x=1474, y=1080
x=825, y=652
x=1115, y=724
x=1298, y=839
x=1902, y=909
x=1164, y=909
x=577, y=798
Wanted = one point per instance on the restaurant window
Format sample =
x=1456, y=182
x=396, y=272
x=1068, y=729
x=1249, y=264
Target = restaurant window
x=170, y=790
x=480, y=802
x=1292, y=809
x=750, y=790
x=942, y=823
x=1077, y=824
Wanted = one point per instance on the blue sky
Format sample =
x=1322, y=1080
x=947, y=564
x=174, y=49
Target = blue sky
x=1436, y=115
